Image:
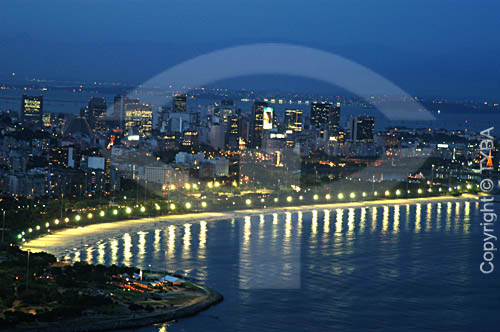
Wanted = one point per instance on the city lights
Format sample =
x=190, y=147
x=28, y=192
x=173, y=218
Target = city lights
x=340, y=196
x=128, y=210
x=315, y=197
x=115, y=212
x=203, y=204
x=102, y=214
x=143, y=209
x=172, y=206
x=352, y=195
x=289, y=199
x=78, y=217
x=248, y=202
x=188, y=205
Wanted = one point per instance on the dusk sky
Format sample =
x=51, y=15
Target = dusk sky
x=437, y=48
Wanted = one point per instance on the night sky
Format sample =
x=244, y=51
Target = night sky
x=436, y=48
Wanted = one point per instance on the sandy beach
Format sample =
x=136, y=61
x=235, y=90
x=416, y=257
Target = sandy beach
x=60, y=242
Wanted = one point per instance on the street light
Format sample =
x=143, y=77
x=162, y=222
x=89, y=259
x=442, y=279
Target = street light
x=340, y=196
x=128, y=210
x=102, y=214
x=398, y=192
x=203, y=204
x=328, y=196
x=115, y=212
x=90, y=216
x=172, y=206
x=188, y=205
x=248, y=202
x=289, y=199
x=315, y=197
x=352, y=195
x=387, y=192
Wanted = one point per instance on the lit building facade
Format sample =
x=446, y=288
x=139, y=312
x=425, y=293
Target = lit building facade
x=32, y=111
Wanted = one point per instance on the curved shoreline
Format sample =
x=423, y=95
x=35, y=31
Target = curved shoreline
x=62, y=241
x=212, y=298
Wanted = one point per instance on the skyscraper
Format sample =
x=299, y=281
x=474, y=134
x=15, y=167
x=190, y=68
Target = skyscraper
x=180, y=103
x=293, y=120
x=334, y=121
x=117, y=110
x=97, y=114
x=363, y=128
x=32, y=111
x=138, y=118
x=258, y=123
x=233, y=133
x=325, y=116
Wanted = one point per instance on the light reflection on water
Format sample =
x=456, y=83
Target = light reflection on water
x=326, y=267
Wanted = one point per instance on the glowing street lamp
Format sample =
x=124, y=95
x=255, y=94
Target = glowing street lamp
x=203, y=204
x=387, y=192
x=172, y=206
x=419, y=191
x=143, y=209
x=188, y=205
x=102, y=214
x=157, y=207
x=47, y=225
x=115, y=212
x=328, y=196
x=90, y=216
x=248, y=202
x=301, y=197
x=289, y=199
x=340, y=196
x=315, y=197
x=275, y=199
x=38, y=227
x=128, y=210
x=352, y=195
x=187, y=186
x=375, y=193
x=78, y=217
x=66, y=220
x=398, y=192
x=364, y=194
x=56, y=221
x=30, y=230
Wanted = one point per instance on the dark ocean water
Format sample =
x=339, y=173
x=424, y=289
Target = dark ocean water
x=387, y=268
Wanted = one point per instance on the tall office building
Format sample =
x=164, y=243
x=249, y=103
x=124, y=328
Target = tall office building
x=116, y=116
x=362, y=129
x=97, y=114
x=138, y=118
x=32, y=111
x=262, y=119
x=179, y=103
x=325, y=116
x=233, y=133
x=293, y=120
x=334, y=121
